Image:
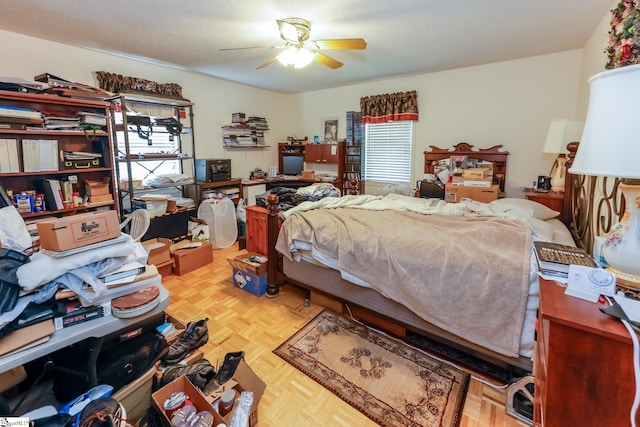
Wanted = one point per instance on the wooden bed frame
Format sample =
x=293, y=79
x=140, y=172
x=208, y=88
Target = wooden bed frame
x=580, y=201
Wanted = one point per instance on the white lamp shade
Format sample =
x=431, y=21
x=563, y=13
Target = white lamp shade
x=610, y=143
x=560, y=133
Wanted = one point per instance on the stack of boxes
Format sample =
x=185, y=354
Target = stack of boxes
x=472, y=183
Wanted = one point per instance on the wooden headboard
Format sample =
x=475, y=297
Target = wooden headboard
x=595, y=203
x=493, y=155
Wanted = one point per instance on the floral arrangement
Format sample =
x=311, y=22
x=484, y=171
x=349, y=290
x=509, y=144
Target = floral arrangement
x=624, y=35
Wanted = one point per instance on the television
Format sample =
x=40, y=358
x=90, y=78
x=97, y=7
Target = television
x=292, y=165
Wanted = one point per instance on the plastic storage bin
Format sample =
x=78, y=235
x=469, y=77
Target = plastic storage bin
x=220, y=216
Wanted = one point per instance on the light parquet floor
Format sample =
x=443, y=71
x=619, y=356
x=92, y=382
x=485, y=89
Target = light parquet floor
x=239, y=320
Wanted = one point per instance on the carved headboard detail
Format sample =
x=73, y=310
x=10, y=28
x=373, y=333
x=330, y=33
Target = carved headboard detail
x=595, y=203
x=493, y=155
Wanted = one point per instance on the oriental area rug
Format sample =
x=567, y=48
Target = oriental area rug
x=385, y=379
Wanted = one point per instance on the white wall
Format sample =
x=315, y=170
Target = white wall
x=508, y=103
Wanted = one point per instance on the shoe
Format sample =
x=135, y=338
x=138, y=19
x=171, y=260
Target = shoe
x=103, y=412
x=229, y=366
x=200, y=373
x=196, y=335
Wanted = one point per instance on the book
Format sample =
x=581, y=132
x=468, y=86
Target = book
x=127, y=270
x=76, y=313
x=556, y=258
x=18, y=112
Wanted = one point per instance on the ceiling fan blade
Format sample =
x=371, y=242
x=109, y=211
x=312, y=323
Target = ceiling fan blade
x=351, y=44
x=327, y=61
x=269, y=62
x=251, y=47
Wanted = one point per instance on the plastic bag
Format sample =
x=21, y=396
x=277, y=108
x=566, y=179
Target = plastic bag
x=241, y=213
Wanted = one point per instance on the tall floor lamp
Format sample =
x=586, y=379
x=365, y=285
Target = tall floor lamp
x=610, y=146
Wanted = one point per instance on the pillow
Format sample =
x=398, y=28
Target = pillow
x=522, y=208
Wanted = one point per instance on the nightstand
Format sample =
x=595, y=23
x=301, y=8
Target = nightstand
x=583, y=364
x=551, y=200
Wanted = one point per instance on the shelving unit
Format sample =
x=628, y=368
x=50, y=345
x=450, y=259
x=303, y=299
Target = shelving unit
x=245, y=134
x=26, y=179
x=353, y=153
x=144, y=152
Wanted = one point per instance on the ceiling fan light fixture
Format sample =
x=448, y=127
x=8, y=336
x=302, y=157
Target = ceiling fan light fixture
x=296, y=56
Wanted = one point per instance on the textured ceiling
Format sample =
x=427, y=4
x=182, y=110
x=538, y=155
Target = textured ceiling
x=403, y=37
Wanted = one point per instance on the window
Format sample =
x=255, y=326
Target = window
x=387, y=151
x=143, y=142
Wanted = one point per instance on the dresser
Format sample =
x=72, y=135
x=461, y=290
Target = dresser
x=583, y=364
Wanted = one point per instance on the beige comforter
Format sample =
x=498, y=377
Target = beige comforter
x=466, y=274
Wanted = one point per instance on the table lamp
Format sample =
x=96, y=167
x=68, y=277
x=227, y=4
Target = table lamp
x=560, y=133
x=610, y=146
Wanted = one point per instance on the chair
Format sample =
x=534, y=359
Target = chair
x=430, y=189
x=138, y=222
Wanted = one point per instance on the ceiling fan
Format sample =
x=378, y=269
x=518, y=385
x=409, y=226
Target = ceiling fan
x=300, y=50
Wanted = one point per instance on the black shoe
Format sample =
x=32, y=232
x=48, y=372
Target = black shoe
x=196, y=335
x=228, y=368
x=200, y=373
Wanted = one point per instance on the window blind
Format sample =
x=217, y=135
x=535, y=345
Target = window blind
x=388, y=149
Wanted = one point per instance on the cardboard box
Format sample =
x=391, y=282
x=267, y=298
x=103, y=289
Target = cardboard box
x=244, y=379
x=485, y=194
x=100, y=198
x=97, y=188
x=23, y=338
x=74, y=231
x=308, y=175
x=187, y=259
x=248, y=276
x=455, y=193
x=158, y=250
x=475, y=173
x=472, y=182
x=196, y=397
x=165, y=268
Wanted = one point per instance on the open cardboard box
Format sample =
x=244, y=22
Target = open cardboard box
x=196, y=397
x=190, y=255
x=249, y=276
x=158, y=250
x=244, y=379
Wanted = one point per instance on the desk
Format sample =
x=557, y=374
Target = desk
x=294, y=182
x=98, y=329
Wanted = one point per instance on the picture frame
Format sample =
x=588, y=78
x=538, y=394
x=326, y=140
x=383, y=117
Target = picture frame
x=330, y=129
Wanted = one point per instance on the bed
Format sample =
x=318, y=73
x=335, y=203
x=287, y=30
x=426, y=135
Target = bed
x=437, y=283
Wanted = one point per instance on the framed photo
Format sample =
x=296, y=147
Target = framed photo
x=330, y=129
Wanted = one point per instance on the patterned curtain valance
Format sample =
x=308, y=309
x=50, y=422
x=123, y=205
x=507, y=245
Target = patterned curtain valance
x=117, y=83
x=389, y=107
